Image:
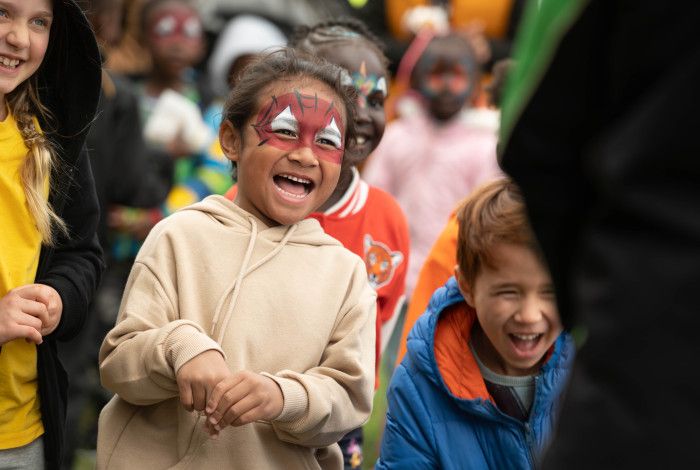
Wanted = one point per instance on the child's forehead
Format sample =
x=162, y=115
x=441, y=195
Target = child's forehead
x=452, y=49
x=171, y=7
x=303, y=87
x=351, y=54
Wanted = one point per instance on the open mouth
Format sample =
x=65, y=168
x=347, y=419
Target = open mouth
x=525, y=343
x=9, y=63
x=293, y=186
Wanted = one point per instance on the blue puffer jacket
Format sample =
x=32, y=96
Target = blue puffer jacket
x=428, y=426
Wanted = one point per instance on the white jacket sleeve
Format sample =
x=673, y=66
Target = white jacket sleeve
x=149, y=343
x=325, y=402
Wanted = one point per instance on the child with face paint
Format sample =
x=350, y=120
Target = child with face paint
x=437, y=151
x=246, y=334
x=367, y=220
x=50, y=259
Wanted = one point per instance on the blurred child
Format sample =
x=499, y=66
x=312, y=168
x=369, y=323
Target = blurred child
x=435, y=153
x=242, y=311
x=50, y=261
x=240, y=41
x=366, y=220
x=171, y=102
x=486, y=364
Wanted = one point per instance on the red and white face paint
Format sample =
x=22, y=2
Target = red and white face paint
x=295, y=120
x=174, y=23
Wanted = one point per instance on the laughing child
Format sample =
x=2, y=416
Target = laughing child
x=482, y=379
x=241, y=319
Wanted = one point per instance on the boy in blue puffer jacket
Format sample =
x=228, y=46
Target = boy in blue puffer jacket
x=481, y=382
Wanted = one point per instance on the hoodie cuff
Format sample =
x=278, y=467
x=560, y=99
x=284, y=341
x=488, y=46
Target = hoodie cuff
x=186, y=342
x=296, y=400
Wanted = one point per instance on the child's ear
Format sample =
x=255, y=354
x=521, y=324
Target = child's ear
x=230, y=140
x=464, y=287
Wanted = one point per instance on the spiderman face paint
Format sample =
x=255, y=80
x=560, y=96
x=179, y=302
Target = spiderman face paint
x=296, y=120
x=288, y=152
x=175, y=22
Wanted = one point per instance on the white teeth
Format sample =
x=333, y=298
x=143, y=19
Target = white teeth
x=526, y=337
x=9, y=62
x=297, y=179
x=297, y=196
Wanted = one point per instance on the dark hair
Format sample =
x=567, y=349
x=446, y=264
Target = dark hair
x=326, y=33
x=284, y=65
x=494, y=213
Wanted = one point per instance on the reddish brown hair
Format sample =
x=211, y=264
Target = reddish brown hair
x=494, y=213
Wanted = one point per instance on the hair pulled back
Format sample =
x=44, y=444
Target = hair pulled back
x=342, y=30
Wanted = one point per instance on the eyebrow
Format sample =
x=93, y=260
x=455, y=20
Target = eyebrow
x=505, y=285
x=13, y=8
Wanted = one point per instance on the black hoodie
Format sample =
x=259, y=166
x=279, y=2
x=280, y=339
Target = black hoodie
x=69, y=86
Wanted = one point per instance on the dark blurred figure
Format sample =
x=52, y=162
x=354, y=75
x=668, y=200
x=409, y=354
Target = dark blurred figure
x=600, y=131
x=125, y=173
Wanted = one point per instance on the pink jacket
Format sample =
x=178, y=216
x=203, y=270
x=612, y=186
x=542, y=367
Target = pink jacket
x=429, y=168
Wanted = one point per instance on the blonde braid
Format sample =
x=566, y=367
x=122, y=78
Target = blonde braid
x=40, y=160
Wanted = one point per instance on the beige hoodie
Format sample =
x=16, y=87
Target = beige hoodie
x=288, y=301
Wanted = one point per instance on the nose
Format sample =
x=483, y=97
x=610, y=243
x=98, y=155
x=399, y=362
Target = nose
x=361, y=110
x=531, y=310
x=304, y=156
x=18, y=36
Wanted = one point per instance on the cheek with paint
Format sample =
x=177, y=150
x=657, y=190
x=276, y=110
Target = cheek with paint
x=297, y=120
x=454, y=81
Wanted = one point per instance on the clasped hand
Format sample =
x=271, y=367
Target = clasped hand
x=31, y=312
x=207, y=385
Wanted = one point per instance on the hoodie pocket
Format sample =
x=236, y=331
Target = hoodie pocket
x=197, y=439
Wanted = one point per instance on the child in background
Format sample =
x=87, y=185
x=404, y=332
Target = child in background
x=171, y=104
x=242, y=311
x=435, y=153
x=365, y=219
x=487, y=362
x=50, y=261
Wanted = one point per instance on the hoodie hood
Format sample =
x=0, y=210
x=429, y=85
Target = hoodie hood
x=245, y=34
x=227, y=213
x=69, y=79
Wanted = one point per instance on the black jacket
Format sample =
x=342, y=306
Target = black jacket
x=606, y=153
x=69, y=86
x=126, y=170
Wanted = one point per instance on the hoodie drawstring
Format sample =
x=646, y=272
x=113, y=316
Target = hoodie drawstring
x=242, y=273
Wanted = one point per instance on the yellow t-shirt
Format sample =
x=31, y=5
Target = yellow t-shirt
x=20, y=417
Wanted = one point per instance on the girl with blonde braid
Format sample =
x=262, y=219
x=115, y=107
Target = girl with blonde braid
x=50, y=260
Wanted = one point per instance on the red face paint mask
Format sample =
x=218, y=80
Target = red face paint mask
x=175, y=23
x=296, y=120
